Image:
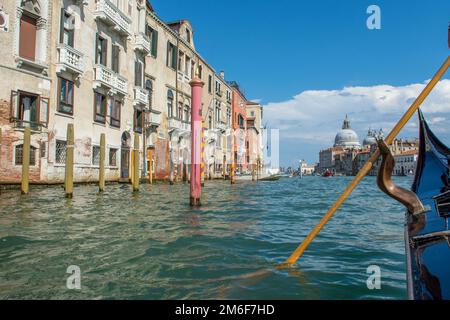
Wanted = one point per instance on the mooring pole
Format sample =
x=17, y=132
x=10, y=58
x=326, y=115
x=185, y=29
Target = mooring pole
x=233, y=164
x=26, y=160
x=136, y=163
x=101, y=178
x=196, y=140
x=150, y=166
x=68, y=185
x=202, y=166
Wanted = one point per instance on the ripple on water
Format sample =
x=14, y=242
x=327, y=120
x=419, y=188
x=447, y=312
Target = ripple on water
x=152, y=245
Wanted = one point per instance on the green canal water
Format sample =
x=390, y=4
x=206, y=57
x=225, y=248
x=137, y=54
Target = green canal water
x=152, y=245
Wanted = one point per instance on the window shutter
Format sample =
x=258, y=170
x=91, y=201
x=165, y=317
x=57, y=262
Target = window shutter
x=27, y=40
x=104, y=51
x=43, y=111
x=96, y=49
x=14, y=106
x=154, y=43
x=169, y=47
x=174, y=57
x=61, y=27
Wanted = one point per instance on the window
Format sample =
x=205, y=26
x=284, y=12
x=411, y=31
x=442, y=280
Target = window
x=170, y=103
x=115, y=58
x=112, y=157
x=200, y=71
x=149, y=89
x=152, y=34
x=100, y=108
x=172, y=56
x=96, y=155
x=28, y=108
x=138, y=74
x=27, y=37
x=180, y=111
x=101, y=47
x=67, y=29
x=138, y=121
x=187, y=114
x=217, y=111
x=209, y=122
x=18, y=157
x=60, y=152
x=187, y=66
x=188, y=35
x=180, y=61
x=115, y=107
x=65, y=97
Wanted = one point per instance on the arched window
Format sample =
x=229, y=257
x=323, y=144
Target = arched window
x=170, y=104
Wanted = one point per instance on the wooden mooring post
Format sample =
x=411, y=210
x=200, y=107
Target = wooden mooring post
x=26, y=161
x=101, y=177
x=150, y=166
x=68, y=183
x=136, y=163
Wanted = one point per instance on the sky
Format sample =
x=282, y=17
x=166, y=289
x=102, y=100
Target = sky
x=312, y=62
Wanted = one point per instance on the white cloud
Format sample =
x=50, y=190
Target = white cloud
x=313, y=117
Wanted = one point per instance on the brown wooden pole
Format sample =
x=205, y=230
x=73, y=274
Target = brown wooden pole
x=368, y=166
x=150, y=166
x=26, y=160
x=69, y=161
x=101, y=178
x=136, y=163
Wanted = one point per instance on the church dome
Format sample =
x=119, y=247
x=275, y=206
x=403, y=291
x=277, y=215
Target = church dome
x=347, y=138
x=370, y=139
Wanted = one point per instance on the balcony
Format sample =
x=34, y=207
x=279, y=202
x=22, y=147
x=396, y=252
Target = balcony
x=178, y=125
x=154, y=119
x=112, y=16
x=106, y=77
x=183, y=77
x=222, y=126
x=142, y=43
x=70, y=60
x=140, y=97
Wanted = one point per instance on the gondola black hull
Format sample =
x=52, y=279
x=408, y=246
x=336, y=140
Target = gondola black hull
x=427, y=235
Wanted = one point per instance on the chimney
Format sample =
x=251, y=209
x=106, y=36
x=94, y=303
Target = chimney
x=222, y=74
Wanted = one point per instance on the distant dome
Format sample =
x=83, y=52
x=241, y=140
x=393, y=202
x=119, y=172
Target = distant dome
x=370, y=139
x=347, y=138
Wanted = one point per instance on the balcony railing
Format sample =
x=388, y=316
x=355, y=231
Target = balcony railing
x=70, y=60
x=176, y=124
x=221, y=126
x=106, y=77
x=183, y=77
x=111, y=15
x=140, y=96
x=142, y=43
x=154, y=119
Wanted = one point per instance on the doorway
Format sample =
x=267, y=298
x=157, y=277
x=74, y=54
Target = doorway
x=125, y=156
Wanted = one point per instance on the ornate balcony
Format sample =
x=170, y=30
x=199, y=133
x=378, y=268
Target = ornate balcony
x=154, y=118
x=106, y=77
x=178, y=125
x=140, y=97
x=70, y=60
x=112, y=16
x=142, y=43
x=222, y=126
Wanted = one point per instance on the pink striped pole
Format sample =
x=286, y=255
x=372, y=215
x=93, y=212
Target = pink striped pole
x=196, y=140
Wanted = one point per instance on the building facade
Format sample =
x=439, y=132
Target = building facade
x=108, y=67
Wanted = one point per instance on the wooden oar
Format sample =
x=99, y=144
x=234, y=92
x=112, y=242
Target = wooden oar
x=368, y=166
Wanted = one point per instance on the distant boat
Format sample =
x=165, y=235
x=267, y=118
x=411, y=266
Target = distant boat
x=328, y=174
x=273, y=177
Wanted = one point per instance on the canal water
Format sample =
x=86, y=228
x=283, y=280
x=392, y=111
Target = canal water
x=152, y=245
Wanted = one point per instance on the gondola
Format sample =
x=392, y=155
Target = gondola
x=427, y=233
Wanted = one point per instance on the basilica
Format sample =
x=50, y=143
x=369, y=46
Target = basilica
x=348, y=155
